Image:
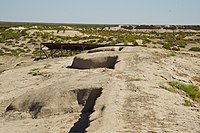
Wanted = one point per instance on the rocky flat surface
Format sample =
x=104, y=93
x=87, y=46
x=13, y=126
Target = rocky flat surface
x=50, y=96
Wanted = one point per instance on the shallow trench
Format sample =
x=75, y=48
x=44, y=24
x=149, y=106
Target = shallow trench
x=83, y=122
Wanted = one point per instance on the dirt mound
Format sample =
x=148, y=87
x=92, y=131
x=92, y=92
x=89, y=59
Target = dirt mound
x=49, y=102
x=94, y=61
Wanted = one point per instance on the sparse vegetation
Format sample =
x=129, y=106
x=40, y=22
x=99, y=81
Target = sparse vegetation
x=171, y=89
x=1, y=52
x=187, y=103
x=135, y=79
x=35, y=69
x=36, y=53
x=13, y=51
x=19, y=42
x=47, y=66
x=175, y=48
x=35, y=72
x=8, y=34
x=197, y=49
x=146, y=41
x=171, y=54
x=191, y=90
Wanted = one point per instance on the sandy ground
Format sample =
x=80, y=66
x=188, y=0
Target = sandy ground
x=70, y=33
x=126, y=105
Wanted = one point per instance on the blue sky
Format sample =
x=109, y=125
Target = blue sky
x=102, y=11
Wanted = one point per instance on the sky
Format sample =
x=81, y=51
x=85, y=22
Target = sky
x=102, y=11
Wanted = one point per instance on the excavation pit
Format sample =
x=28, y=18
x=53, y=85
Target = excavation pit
x=41, y=104
x=94, y=61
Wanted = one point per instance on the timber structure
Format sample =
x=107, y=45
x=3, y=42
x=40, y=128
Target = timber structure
x=56, y=47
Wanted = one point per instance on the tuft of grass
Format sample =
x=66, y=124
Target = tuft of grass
x=171, y=54
x=1, y=52
x=191, y=90
x=171, y=89
x=1, y=71
x=196, y=49
x=35, y=69
x=146, y=41
x=35, y=73
x=175, y=48
x=187, y=103
x=135, y=79
x=47, y=66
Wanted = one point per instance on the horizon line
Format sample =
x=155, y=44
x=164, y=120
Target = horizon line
x=79, y=23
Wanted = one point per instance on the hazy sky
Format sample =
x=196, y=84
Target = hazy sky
x=102, y=11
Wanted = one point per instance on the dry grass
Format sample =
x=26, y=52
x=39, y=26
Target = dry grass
x=196, y=79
